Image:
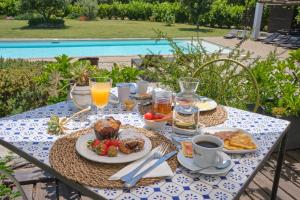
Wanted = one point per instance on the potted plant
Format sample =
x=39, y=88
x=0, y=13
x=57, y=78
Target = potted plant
x=69, y=73
x=88, y=9
x=80, y=92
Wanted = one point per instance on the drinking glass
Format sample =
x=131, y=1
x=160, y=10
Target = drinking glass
x=162, y=101
x=100, y=90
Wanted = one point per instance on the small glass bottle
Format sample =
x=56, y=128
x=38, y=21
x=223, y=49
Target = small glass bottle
x=186, y=113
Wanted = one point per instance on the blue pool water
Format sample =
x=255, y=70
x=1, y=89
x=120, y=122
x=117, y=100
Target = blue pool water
x=77, y=48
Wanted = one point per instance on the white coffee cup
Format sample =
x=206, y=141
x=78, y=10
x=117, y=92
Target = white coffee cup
x=209, y=154
x=123, y=91
x=142, y=87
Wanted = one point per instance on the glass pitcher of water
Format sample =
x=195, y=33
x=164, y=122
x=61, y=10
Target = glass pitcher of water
x=185, y=113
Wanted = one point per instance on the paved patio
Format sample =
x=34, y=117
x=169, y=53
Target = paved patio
x=256, y=47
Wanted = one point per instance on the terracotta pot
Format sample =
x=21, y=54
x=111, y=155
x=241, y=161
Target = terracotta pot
x=81, y=96
x=83, y=18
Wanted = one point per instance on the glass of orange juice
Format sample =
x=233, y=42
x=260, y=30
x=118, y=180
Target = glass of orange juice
x=100, y=90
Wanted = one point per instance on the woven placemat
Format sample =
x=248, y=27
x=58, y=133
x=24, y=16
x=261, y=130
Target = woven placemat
x=207, y=118
x=64, y=159
x=213, y=117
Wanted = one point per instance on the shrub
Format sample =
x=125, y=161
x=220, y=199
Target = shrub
x=279, y=81
x=124, y=74
x=88, y=8
x=136, y=10
x=9, y=7
x=224, y=14
x=6, y=191
x=25, y=16
x=105, y=10
x=139, y=10
x=169, y=18
x=160, y=10
x=119, y=10
x=50, y=23
x=221, y=81
x=74, y=11
x=19, y=91
x=57, y=76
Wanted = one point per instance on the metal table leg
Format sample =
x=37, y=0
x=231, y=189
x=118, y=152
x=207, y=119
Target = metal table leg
x=280, y=159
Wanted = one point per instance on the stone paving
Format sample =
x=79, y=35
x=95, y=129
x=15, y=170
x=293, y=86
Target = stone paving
x=256, y=47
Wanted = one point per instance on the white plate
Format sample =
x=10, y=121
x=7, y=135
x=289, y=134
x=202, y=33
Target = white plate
x=214, y=130
x=84, y=151
x=188, y=163
x=207, y=104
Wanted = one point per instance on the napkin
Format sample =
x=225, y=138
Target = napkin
x=160, y=171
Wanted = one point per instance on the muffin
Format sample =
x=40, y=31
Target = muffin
x=107, y=128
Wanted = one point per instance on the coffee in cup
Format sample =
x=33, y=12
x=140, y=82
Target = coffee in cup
x=207, y=150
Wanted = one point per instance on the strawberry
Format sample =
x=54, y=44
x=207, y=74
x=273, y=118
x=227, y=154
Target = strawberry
x=112, y=142
x=102, y=149
x=115, y=142
x=149, y=116
x=95, y=143
x=112, y=151
x=108, y=142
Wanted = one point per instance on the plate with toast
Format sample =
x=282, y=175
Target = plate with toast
x=235, y=140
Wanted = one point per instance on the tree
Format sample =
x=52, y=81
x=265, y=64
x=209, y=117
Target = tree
x=46, y=8
x=197, y=8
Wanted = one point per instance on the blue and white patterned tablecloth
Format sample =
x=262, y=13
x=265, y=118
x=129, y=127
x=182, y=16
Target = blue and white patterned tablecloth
x=27, y=131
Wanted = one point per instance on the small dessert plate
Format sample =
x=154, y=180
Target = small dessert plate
x=189, y=164
x=213, y=130
x=84, y=151
x=206, y=104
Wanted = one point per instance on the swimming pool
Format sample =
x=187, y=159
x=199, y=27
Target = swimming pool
x=78, y=48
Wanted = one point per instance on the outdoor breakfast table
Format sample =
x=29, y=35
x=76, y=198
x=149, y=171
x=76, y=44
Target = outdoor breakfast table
x=26, y=134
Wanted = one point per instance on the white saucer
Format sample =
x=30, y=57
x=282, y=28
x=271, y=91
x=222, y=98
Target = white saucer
x=213, y=130
x=188, y=163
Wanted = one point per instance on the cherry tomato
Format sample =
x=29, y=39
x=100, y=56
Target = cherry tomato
x=149, y=116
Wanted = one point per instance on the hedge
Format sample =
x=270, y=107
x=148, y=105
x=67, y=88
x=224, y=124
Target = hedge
x=224, y=14
x=137, y=10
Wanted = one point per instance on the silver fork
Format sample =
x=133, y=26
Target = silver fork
x=160, y=151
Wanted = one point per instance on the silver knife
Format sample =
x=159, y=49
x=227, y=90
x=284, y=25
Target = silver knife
x=135, y=179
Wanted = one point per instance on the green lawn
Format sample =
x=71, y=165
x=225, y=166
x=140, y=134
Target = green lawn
x=103, y=29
